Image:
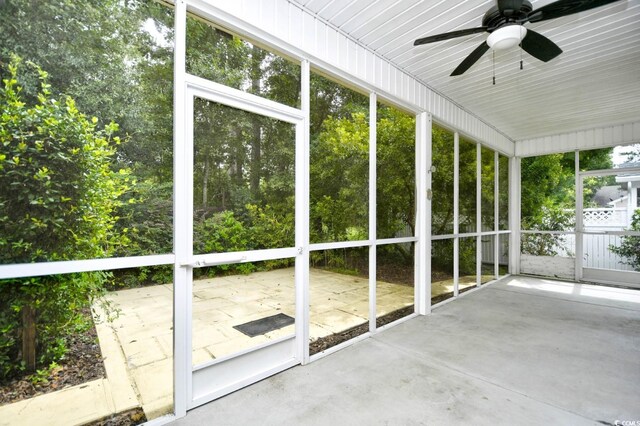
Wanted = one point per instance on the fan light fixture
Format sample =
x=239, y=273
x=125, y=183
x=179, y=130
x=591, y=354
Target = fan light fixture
x=506, y=37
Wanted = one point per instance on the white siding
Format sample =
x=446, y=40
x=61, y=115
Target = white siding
x=327, y=48
x=620, y=134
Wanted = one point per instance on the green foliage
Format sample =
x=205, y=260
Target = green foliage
x=58, y=188
x=145, y=215
x=270, y=227
x=339, y=174
x=220, y=233
x=442, y=255
x=629, y=248
x=442, y=181
x=467, y=256
x=264, y=228
x=351, y=261
x=58, y=198
x=546, y=187
x=488, y=170
x=548, y=196
x=395, y=163
x=548, y=219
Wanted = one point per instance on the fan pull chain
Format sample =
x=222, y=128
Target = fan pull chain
x=521, y=68
x=521, y=37
x=494, y=66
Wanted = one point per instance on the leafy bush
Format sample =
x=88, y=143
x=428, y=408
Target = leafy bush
x=146, y=216
x=350, y=261
x=442, y=255
x=338, y=174
x=270, y=228
x=58, y=197
x=547, y=219
x=630, y=246
x=220, y=233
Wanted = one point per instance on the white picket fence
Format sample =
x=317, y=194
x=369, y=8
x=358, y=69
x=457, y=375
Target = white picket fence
x=597, y=253
x=597, y=247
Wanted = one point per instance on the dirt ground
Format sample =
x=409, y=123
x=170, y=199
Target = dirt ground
x=82, y=363
x=128, y=418
x=331, y=340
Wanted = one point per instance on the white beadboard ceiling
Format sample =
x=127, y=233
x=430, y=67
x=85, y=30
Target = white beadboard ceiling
x=595, y=82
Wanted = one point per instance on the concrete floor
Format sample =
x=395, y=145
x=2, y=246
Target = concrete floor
x=523, y=351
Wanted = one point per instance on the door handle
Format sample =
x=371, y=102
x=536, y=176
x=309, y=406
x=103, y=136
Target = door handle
x=204, y=262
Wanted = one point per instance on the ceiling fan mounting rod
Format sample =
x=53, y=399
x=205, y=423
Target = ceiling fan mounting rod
x=494, y=18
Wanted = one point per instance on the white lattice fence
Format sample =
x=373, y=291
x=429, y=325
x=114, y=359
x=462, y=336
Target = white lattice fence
x=605, y=217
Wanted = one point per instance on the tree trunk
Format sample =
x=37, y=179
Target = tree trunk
x=257, y=55
x=29, y=337
x=256, y=160
x=205, y=182
x=237, y=160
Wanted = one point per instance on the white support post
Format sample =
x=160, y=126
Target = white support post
x=373, y=109
x=478, y=214
x=496, y=212
x=302, y=221
x=422, y=285
x=182, y=223
x=514, y=215
x=456, y=212
x=579, y=219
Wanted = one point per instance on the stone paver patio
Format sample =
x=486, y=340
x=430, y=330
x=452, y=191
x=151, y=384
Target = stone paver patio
x=144, y=326
x=137, y=346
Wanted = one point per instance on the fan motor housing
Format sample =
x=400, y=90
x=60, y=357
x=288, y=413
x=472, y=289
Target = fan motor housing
x=493, y=19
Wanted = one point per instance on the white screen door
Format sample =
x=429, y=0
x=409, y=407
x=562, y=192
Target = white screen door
x=243, y=159
x=607, y=233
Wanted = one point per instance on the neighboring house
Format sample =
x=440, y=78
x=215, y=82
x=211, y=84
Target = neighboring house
x=615, y=203
x=610, y=196
x=630, y=181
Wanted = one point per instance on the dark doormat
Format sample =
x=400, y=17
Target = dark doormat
x=264, y=325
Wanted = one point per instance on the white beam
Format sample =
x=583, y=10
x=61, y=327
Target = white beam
x=478, y=214
x=373, y=110
x=302, y=220
x=423, y=214
x=579, y=218
x=456, y=212
x=514, y=215
x=496, y=213
x=182, y=222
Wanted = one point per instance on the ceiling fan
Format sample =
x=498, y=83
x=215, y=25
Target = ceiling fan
x=505, y=22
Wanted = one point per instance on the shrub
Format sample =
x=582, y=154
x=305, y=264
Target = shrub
x=58, y=196
x=548, y=219
x=629, y=248
x=221, y=233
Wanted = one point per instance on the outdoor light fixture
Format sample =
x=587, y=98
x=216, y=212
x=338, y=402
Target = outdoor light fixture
x=506, y=37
